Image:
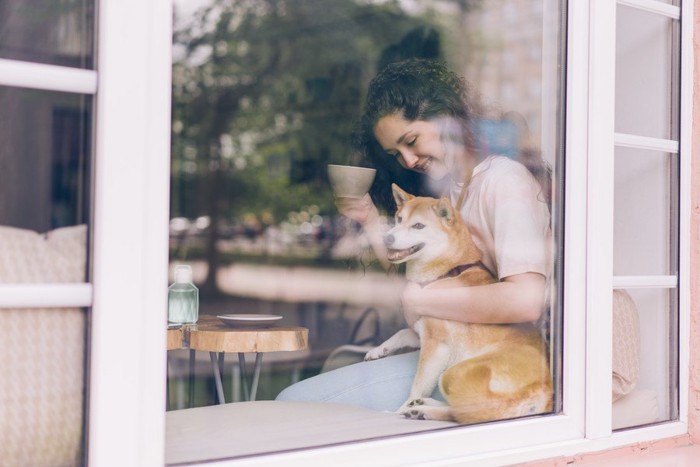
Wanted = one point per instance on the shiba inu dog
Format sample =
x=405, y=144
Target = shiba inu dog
x=485, y=371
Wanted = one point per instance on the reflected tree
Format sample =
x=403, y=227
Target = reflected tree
x=265, y=93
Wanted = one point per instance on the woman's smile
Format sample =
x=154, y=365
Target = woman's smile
x=417, y=145
x=423, y=165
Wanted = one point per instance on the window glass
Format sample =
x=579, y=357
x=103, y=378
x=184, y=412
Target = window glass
x=44, y=213
x=44, y=208
x=265, y=96
x=645, y=362
x=645, y=240
x=646, y=74
x=48, y=31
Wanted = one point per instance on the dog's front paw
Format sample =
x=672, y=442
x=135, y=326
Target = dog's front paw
x=414, y=410
x=377, y=353
x=426, y=408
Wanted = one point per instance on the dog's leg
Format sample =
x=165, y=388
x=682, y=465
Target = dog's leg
x=434, y=358
x=404, y=339
x=428, y=408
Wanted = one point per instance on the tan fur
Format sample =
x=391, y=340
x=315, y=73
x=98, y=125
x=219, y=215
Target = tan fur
x=485, y=371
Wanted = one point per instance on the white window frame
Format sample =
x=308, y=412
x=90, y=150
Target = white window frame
x=130, y=255
x=126, y=375
x=130, y=239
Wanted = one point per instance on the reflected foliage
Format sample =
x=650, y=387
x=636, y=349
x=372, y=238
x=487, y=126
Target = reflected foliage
x=265, y=94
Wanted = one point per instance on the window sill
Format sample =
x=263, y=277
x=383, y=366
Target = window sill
x=267, y=432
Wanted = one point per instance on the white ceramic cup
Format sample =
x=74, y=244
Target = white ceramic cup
x=349, y=181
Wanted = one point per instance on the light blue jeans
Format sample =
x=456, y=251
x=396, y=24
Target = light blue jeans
x=381, y=385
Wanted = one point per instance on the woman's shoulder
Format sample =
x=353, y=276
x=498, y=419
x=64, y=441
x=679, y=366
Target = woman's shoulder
x=503, y=166
x=505, y=177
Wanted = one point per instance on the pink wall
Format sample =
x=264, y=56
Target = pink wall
x=694, y=392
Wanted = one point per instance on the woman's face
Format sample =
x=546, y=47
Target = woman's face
x=417, y=145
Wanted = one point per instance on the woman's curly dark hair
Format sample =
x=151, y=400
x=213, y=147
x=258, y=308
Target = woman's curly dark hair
x=417, y=89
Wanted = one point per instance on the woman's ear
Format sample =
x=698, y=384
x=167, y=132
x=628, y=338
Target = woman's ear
x=400, y=196
x=444, y=210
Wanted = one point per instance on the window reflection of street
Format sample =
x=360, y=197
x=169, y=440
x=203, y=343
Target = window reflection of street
x=320, y=276
x=306, y=238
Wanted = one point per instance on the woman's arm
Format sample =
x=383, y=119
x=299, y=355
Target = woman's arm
x=375, y=234
x=366, y=214
x=515, y=299
x=513, y=225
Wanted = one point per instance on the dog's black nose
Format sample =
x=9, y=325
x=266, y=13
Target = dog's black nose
x=388, y=240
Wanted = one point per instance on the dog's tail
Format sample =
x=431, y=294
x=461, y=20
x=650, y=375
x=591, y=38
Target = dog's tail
x=468, y=391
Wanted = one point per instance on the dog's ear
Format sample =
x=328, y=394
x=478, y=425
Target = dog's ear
x=444, y=210
x=400, y=196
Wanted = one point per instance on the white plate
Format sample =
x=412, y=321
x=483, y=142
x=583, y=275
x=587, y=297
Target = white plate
x=249, y=321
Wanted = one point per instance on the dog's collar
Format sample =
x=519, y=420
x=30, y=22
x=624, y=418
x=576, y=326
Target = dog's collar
x=456, y=271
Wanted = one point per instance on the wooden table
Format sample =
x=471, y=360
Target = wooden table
x=211, y=335
x=174, y=339
x=174, y=342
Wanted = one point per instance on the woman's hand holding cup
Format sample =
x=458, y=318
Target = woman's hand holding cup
x=350, y=186
x=361, y=210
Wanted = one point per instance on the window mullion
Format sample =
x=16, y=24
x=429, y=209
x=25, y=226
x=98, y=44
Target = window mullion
x=646, y=143
x=575, y=199
x=601, y=140
x=653, y=6
x=127, y=370
x=45, y=295
x=645, y=282
x=47, y=77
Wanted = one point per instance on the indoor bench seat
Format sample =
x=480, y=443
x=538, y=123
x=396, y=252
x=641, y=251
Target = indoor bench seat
x=246, y=428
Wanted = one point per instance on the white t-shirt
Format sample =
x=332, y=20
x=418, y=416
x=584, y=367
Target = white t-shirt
x=508, y=218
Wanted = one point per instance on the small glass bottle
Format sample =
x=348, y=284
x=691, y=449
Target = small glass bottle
x=183, y=297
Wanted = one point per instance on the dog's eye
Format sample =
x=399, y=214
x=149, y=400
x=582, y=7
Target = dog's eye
x=418, y=226
x=399, y=219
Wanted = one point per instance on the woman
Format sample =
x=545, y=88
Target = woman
x=422, y=115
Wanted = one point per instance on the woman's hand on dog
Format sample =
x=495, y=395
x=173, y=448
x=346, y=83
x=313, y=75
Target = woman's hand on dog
x=515, y=299
x=412, y=299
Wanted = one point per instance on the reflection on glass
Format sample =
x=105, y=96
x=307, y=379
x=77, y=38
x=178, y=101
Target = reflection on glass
x=45, y=158
x=48, y=31
x=646, y=74
x=645, y=212
x=265, y=96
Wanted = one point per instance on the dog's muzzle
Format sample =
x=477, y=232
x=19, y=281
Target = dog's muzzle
x=395, y=255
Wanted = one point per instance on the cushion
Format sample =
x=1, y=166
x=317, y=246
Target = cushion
x=626, y=344
x=30, y=257
x=43, y=352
